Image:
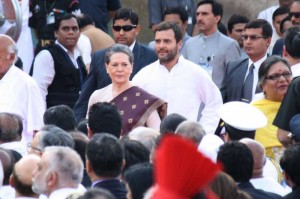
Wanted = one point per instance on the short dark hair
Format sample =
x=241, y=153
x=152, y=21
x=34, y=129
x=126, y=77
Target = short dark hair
x=118, y=48
x=290, y=163
x=105, y=154
x=170, y=123
x=11, y=127
x=263, y=24
x=61, y=116
x=179, y=10
x=235, y=19
x=217, y=8
x=105, y=117
x=292, y=42
x=281, y=27
x=135, y=152
x=170, y=26
x=237, y=160
x=139, y=178
x=84, y=20
x=63, y=17
x=55, y=136
x=280, y=11
x=94, y=193
x=126, y=14
x=267, y=64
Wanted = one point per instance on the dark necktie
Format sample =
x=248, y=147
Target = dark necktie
x=82, y=71
x=248, y=86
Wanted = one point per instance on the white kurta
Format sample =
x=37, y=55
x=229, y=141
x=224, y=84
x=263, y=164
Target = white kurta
x=20, y=94
x=187, y=88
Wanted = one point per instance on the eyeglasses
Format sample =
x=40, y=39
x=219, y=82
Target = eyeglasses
x=295, y=14
x=126, y=28
x=276, y=76
x=34, y=148
x=252, y=37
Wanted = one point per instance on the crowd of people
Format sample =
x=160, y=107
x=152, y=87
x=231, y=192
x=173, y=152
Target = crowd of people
x=203, y=111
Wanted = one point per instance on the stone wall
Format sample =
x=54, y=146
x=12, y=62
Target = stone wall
x=250, y=8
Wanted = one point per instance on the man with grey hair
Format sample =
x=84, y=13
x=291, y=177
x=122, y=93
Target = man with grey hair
x=59, y=173
x=19, y=92
x=50, y=135
x=191, y=130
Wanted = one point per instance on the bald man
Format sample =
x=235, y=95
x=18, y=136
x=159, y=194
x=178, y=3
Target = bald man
x=258, y=180
x=21, y=178
x=19, y=92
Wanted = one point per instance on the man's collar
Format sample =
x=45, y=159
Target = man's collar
x=132, y=45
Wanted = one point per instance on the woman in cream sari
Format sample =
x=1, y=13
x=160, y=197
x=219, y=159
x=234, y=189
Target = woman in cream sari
x=137, y=107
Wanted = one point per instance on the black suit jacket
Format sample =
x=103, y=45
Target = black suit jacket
x=115, y=186
x=98, y=78
x=257, y=193
x=232, y=85
x=278, y=47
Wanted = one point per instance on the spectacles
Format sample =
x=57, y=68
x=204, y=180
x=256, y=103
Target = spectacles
x=252, y=37
x=34, y=148
x=126, y=28
x=276, y=76
x=295, y=14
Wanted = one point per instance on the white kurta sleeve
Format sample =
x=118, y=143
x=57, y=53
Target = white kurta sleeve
x=43, y=71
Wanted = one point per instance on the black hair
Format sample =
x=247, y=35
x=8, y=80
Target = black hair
x=235, y=19
x=237, y=160
x=135, y=152
x=180, y=10
x=290, y=163
x=170, y=123
x=139, y=178
x=11, y=127
x=126, y=14
x=105, y=117
x=84, y=20
x=62, y=17
x=170, y=26
x=292, y=42
x=280, y=11
x=217, y=8
x=61, y=116
x=263, y=24
x=105, y=154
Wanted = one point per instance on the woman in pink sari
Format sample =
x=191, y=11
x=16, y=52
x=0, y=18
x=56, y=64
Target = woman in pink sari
x=137, y=107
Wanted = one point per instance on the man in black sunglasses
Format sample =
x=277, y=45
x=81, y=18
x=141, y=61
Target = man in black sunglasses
x=125, y=29
x=241, y=76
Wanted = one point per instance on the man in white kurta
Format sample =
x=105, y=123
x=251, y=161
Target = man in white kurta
x=19, y=92
x=187, y=88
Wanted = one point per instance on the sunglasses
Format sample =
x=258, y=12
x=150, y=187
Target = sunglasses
x=125, y=28
x=277, y=76
x=252, y=37
x=295, y=14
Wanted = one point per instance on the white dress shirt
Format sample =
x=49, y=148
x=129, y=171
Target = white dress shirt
x=255, y=72
x=187, y=89
x=44, y=71
x=295, y=70
x=20, y=94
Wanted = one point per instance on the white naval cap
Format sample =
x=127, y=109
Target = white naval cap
x=242, y=116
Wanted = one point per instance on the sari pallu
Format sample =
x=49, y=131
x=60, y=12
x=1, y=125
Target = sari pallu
x=135, y=106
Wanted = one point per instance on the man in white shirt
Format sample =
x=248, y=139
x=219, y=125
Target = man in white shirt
x=59, y=173
x=186, y=87
x=19, y=93
x=268, y=13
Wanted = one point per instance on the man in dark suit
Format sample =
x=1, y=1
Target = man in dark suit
x=125, y=30
x=256, y=40
x=238, y=162
x=104, y=163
